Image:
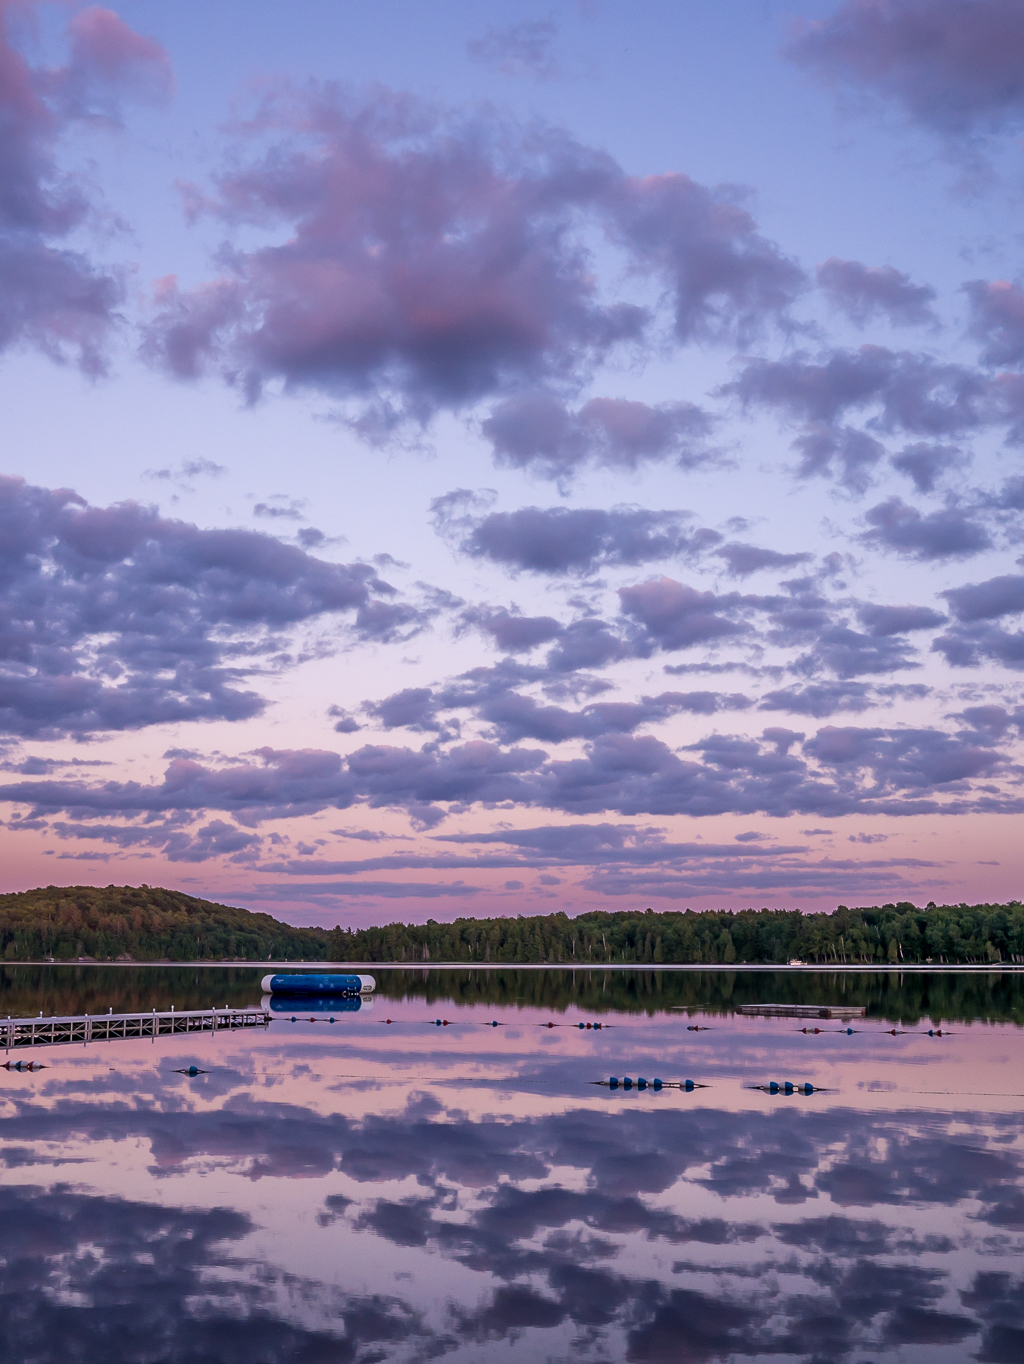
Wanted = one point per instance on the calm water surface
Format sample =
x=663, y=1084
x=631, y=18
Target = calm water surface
x=370, y=1190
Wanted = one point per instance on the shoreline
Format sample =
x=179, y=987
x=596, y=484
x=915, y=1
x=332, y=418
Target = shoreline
x=841, y=968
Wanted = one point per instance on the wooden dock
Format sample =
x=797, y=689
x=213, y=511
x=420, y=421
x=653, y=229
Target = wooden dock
x=840, y=1011
x=17, y=1033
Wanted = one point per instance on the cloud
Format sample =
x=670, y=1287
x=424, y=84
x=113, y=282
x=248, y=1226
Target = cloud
x=904, y=391
x=820, y=699
x=972, y=638
x=849, y=770
x=866, y=292
x=742, y=560
x=882, y=621
x=425, y=263
x=53, y=298
x=670, y=615
x=996, y=597
x=925, y=464
x=523, y=49
x=115, y=617
x=538, y=432
x=512, y=632
x=947, y=534
x=954, y=66
x=997, y=320
x=556, y=540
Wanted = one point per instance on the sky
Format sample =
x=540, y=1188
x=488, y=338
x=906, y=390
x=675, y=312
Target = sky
x=467, y=460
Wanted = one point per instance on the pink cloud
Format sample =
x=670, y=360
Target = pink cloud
x=51, y=297
x=431, y=262
x=954, y=65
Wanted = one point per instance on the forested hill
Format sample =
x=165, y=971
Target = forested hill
x=113, y=923
x=148, y=924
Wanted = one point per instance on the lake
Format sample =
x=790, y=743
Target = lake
x=388, y=1187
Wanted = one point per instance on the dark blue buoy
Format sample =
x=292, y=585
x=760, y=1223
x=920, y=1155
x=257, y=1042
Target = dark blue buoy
x=773, y=1087
x=808, y=1089
x=494, y=1024
x=330, y=1020
x=613, y=1082
x=789, y=1086
x=641, y=1083
x=849, y=1032
x=627, y=1083
x=688, y=1084
x=656, y=1082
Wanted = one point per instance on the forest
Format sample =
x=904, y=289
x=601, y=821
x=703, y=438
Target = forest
x=144, y=923
x=893, y=933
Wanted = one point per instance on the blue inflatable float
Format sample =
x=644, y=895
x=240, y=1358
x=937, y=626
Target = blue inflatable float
x=310, y=984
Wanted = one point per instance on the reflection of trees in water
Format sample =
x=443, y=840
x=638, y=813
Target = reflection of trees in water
x=891, y=995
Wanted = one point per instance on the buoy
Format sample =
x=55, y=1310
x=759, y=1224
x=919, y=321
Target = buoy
x=656, y=1082
x=627, y=1083
x=613, y=1082
x=808, y=1089
x=294, y=1018
x=437, y=1022
x=849, y=1032
x=789, y=1086
x=598, y=1025
x=548, y=1025
x=494, y=1023
x=387, y=1020
x=688, y=1084
x=641, y=1083
x=773, y=1087
x=330, y=1020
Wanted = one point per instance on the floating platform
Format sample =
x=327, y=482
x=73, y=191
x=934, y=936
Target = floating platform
x=842, y=1011
x=16, y=1033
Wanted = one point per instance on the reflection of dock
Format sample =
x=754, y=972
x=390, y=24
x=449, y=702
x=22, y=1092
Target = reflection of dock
x=16, y=1033
x=803, y=1010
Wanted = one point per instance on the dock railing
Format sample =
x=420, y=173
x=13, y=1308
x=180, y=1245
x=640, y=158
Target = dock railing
x=16, y=1033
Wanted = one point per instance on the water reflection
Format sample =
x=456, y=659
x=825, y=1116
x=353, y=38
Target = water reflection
x=398, y=1192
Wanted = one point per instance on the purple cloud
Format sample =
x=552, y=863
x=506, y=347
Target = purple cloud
x=903, y=391
x=925, y=464
x=997, y=320
x=866, y=292
x=523, y=49
x=840, y=771
x=946, y=534
x=743, y=560
x=51, y=297
x=430, y=263
x=537, y=431
x=557, y=540
x=671, y=615
x=956, y=66
x=115, y=617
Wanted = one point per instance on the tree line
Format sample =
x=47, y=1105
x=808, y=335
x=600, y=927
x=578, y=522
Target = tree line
x=144, y=923
x=894, y=934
